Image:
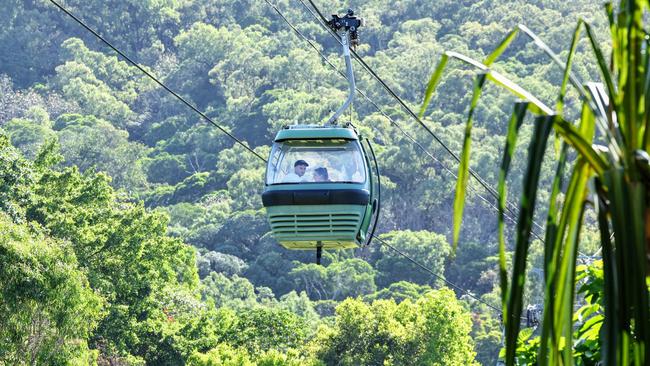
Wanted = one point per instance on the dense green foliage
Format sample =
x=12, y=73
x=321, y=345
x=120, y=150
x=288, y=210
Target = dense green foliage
x=432, y=331
x=150, y=222
x=49, y=308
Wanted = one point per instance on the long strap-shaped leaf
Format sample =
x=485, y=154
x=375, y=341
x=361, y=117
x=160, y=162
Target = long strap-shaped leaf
x=543, y=126
x=570, y=225
x=612, y=322
x=584, y=148
x=627, y=202
x=536, y=106
x=516, y=120
x=645, y=128
x=609, y=83
x=549, y=265
x=498, y=51
x=629, y=66
x=437, y=73
x=560, y=255
x=463, y=168
x=433, y=82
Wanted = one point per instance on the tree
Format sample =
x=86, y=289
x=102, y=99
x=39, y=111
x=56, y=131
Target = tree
x=238, y=236
x=264, y=329
x=226, y=264
x=199, y=48
x=234, y=292
x=122, y=248
x=448, y=324
x=398, y=292
x=167, y=168
x=136, y=26
x=432, y=331
x=78, y=83
x=300, y=305
x=88, y=142
x=49, y=310
x=180, y=324
x=428, y=248
x=30, y=133
x=342, y=279
x=16, y=177
x=223, y=355
x=474, y=267
x=24, y=63
x=272, y=264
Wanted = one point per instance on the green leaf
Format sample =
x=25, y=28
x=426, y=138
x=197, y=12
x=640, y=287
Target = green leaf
x=573, y=138
x=645, y=128
x=536, y=106
x=567, y=67
x=549, y=249
x=543, y=125
x=516, y=120
x=566, y=254
x=602, y=118
x=501, y=47
x=627, y=212
x=463, y=168
x=602, y=65
x=433, y=82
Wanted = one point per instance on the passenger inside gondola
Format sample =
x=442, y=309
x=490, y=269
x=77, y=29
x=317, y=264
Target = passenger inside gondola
x=321, y=175
x=299, y=169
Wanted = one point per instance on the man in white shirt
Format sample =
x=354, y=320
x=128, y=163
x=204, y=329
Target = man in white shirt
x=299, y=168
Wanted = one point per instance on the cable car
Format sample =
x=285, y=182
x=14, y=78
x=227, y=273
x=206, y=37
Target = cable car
x=320, y=192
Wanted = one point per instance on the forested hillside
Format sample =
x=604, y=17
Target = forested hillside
x=133, y=232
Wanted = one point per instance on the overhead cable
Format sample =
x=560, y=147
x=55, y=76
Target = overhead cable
x=442, y=278
x=152, y=77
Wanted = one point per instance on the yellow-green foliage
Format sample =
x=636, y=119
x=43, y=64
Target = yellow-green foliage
x=433, y=330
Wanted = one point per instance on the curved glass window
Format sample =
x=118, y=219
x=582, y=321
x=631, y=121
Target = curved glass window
x=316, y=161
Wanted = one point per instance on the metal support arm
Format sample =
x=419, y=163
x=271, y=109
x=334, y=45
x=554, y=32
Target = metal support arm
x=345, y=42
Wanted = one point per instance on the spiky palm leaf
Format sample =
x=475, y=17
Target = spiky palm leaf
x=615, y=178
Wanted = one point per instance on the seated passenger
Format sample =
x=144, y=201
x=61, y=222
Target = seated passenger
x=299, y=168
x=321, y=175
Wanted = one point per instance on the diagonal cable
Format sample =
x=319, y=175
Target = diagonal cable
x=152, y=77
x=442, y=278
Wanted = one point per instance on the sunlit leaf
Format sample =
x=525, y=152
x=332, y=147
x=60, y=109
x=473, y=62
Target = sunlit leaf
x=515, y=123
x=543, y=125
x=433, y=82
x=463, y=168
x=498, y=51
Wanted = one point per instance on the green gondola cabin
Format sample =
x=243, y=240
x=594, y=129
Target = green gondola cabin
x=329, y=205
